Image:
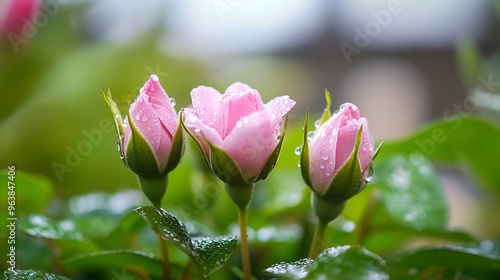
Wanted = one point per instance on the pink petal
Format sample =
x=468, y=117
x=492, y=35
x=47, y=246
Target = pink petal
x=206, y=102
x=322, y=155
x=345, y=143
x=201, y=130
x=160, y=103
x=279, y=107
x=237, y=87
x=238, y=105
x=145, y=120
x=251, y=142
x=366, y=148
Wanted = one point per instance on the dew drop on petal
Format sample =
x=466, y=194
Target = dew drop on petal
x=369, y=177
x=321, y=166
x=138, y=117
x=155, y=78
x=239, y=124
x=298, y=150
x=310, y=135
x=172, y=101
x=317, y=123
x=197, y=130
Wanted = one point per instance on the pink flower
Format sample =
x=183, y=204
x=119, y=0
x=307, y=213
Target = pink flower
x=150, y=137
x=14, y=15
x=330, y=155
x=239, y=124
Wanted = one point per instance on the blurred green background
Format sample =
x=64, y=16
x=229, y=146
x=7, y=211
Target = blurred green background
x=403, y=67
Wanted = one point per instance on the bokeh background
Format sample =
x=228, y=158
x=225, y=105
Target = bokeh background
x=404, y=63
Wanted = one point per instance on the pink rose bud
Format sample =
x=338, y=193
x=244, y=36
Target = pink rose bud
x=336, y=159
x=151, y=140
x=239, y=135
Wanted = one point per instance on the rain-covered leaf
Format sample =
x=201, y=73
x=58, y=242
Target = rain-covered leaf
x=43, y=227
x=119, y=259
x=32, y=275
x=294, y=270
x=208, y=253
x=455, y=140
x=411, y=193
x=213, y=252
x=448, y=262
x=343, y=262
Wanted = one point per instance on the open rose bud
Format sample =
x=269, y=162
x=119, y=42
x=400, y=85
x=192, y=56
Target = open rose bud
x=239, y=135
x=336, y=160
x=151, y=139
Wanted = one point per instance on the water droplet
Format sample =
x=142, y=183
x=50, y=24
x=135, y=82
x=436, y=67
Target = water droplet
x=246, y=120
x=202, y=110
x=144, y=118
x=369, y=176
x=321, y=166
x=342, y=108
x=138, y=117
x=278, y=137
x=324, y=155
x=298, y=150
x=197, y=130
x=117, y=116
x=298, y=164
x=317, y=123
x=192, y=118
x=310, y=135
x=149, y=128
x=119, y=147
x=239, y=124
x=172, y=101
x=155, y=78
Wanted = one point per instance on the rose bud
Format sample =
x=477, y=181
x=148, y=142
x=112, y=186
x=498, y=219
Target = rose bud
x=151, y=139
x=239, y=135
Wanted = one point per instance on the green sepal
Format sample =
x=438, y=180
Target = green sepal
x=241, y=195
x=304, y=157
x=326, y=113
x=177, y=149
x=349, y=179
x=225, y=168
x=273, y=158
x=117, y=119
x=154, y=188
x=139, y=156
x=326, y=210
x=115, y=110
x=377, y=150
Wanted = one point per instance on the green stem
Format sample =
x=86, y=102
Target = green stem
x=188, y=271
x=318, y=242
x=245, y=253
x=165, y=263
x=241, y=196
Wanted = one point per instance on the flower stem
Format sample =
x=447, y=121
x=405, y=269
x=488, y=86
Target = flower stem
x=164, y=258
x=318, y=242
x=245, y=253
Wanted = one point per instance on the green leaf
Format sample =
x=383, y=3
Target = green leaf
x=273, y=158
x=454, y=140
x=346, y=262
x=42, y=227
x=214, y=252
x=343, y=262
x=349, y=180
x=118, y=259
x=208, y=254
x=294, y=270
x=139, y=156
x=304, y=155
x=224, y=167
x=32, y=275
x=167, y=226
x=411, y=192
x=327, y=113
x=33, y=192
x=443, y=262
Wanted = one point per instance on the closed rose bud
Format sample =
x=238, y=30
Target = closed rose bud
x=239, y=135
x=336, y=159
x=151, y=139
